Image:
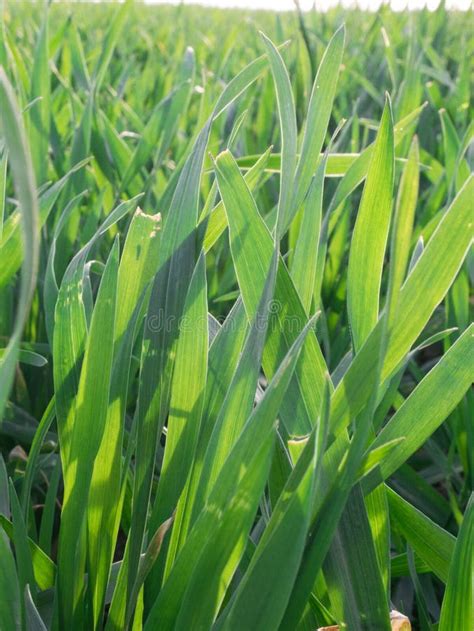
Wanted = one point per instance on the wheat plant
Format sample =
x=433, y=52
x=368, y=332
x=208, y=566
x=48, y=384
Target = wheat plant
x=235, y=319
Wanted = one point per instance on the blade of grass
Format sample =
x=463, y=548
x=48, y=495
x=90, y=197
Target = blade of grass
x=33, y=619
x=277, y=557
x=10, y=609
x=358, y=170
x=45, y=538
x=456, y=611
x=175, y=266
x=24, y=563
x=352, y=572
x=11, y=245
x=224, y=355
x=110, y=41
x=250, y=240
x=187, y=401
x=318, y=116
x=3, y=189
x=431, y=278
x=288, y=134
x=51, y=288
x=403, y=223
x=370, y=235
x=40, y=434
x=222, y=552
x=432, y=544
x=430, y=404
x=44, y=569
x=137, y=266
x=215, y=224
x=240, y=397
x=70, y=333
x=22, y=172
x=303, y=270
x=39, y=114
x=86, y=434
x=255, y=432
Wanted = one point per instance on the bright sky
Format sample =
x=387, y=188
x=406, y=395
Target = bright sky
x=282, y=5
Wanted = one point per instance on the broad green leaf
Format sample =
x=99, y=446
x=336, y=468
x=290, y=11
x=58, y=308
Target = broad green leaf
x=255, y=432
x=354, y=580
x=175, y=265
x=70, y=333
x=318, y=116
x=456, y=611
x=44, y=569
x=370, y=235
x=377, y=512
x=222, y=552
x=358, y=170
x=24, y=562
x=224, y=354
x=403, y=222
x=426, y=408
x=432, y=544
x=187, y=397
x=86, y=435
x=239, y=399
x=250, y=240
x=303, y=269
x=40, y=114
x=137, y=266
x=376, y=455
x=10, y=603
x=263, y=593
x=3, y=189
x=431, y=278
x=244, y=222
x=22, y=171
x=216, y=222
x=51, y=289
x=108, y=46
x=288, y=134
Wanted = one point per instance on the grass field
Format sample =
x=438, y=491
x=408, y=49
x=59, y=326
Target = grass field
x=236, y=349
